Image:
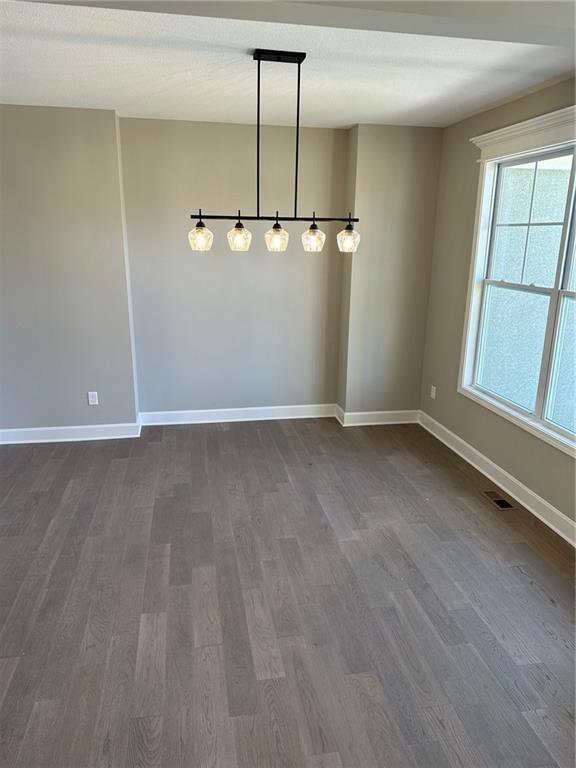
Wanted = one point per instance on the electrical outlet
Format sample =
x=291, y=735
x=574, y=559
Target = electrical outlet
x=433, y=392
x=92, y=398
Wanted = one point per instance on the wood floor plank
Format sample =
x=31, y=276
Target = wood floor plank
x=324, y=761
x=133, y=573
x=447, y=729
x=508, y=673
x=82, y=701
x=280, y=598
x=280, y=723
x=22, y=616
x=263, y=641
x=150, y=665
x=429, y=643
x=248, y=557
x=429, y=754
x=270, y=738
x=417, y=672
x=491, y=720
x=155, y=599
x=240, y=675
x=315, y=728
x=277, y=595
x=37, y=746
x=383, y=732
x=205, y=608
x=176, y=727
x=144, y=742
x=212, y=734
x=110, y=735
x=21, y=694
x=556, y=739
x=7, y=669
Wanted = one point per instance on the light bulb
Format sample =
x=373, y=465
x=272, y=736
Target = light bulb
x=348, y=239
x=313, y=239
x=200, y=238
x=239, y=238
x=276, y=238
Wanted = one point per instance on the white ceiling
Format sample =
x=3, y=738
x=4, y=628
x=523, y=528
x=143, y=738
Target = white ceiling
x=180, y=66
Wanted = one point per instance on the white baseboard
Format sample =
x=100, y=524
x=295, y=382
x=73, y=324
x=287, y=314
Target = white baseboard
x=535, y=504
x=265, y=413
x=69, y=434
x=322, y=410
x=216, y=415
x=373, y=418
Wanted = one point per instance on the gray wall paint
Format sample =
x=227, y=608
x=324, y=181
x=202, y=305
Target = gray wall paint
x=223, y=329
x=64, y=321
x=395, y=194
x=543, y=468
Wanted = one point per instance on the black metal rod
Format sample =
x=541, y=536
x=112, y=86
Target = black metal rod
x=226, y=217
x=297, y=143
x=258, y=144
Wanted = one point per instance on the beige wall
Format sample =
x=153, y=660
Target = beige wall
x=223, y=329
x=395, y=196
x=543, y=468
x=212, y=330
x=63, y=293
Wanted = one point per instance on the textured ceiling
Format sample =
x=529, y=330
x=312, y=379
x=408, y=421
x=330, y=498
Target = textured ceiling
x=160, y=65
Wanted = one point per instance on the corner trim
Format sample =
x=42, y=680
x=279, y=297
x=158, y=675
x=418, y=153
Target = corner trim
x=69, y=434
x=539, y=507
x=215, y=415
x=339, y=414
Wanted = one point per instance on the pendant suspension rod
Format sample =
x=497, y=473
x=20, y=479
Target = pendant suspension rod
x=297, y=142
x=258, y=144
x=226, y=217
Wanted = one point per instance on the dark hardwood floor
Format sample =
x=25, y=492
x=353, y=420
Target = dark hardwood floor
x=276, y=594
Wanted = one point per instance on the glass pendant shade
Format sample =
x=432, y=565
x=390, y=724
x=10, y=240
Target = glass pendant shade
x=239, y=238
x=348, y=239
x=276, y=238
x=313, y=239
x=200, y=238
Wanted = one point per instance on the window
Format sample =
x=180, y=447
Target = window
x=520, y=344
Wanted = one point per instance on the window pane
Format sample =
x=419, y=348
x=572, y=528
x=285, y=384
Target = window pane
x=515, y=193
x=551, y=189
x=511, y=345
x=508, y=253
x=561, y=408
x=542, y=255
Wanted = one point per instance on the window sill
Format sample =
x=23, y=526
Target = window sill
x=550, y=436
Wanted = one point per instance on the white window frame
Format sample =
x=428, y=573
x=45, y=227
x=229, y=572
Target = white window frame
x=546, y=134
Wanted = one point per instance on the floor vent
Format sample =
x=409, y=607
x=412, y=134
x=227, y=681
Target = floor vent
x=497, y=500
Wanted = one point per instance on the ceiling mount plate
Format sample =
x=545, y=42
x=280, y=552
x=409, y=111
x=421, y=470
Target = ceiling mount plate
x=286, y=57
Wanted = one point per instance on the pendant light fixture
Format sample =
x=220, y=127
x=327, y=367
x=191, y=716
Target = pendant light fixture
x=348, y=239
x=277, y=238
x=313, y=239
x=200, y=238
x=239, y=238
